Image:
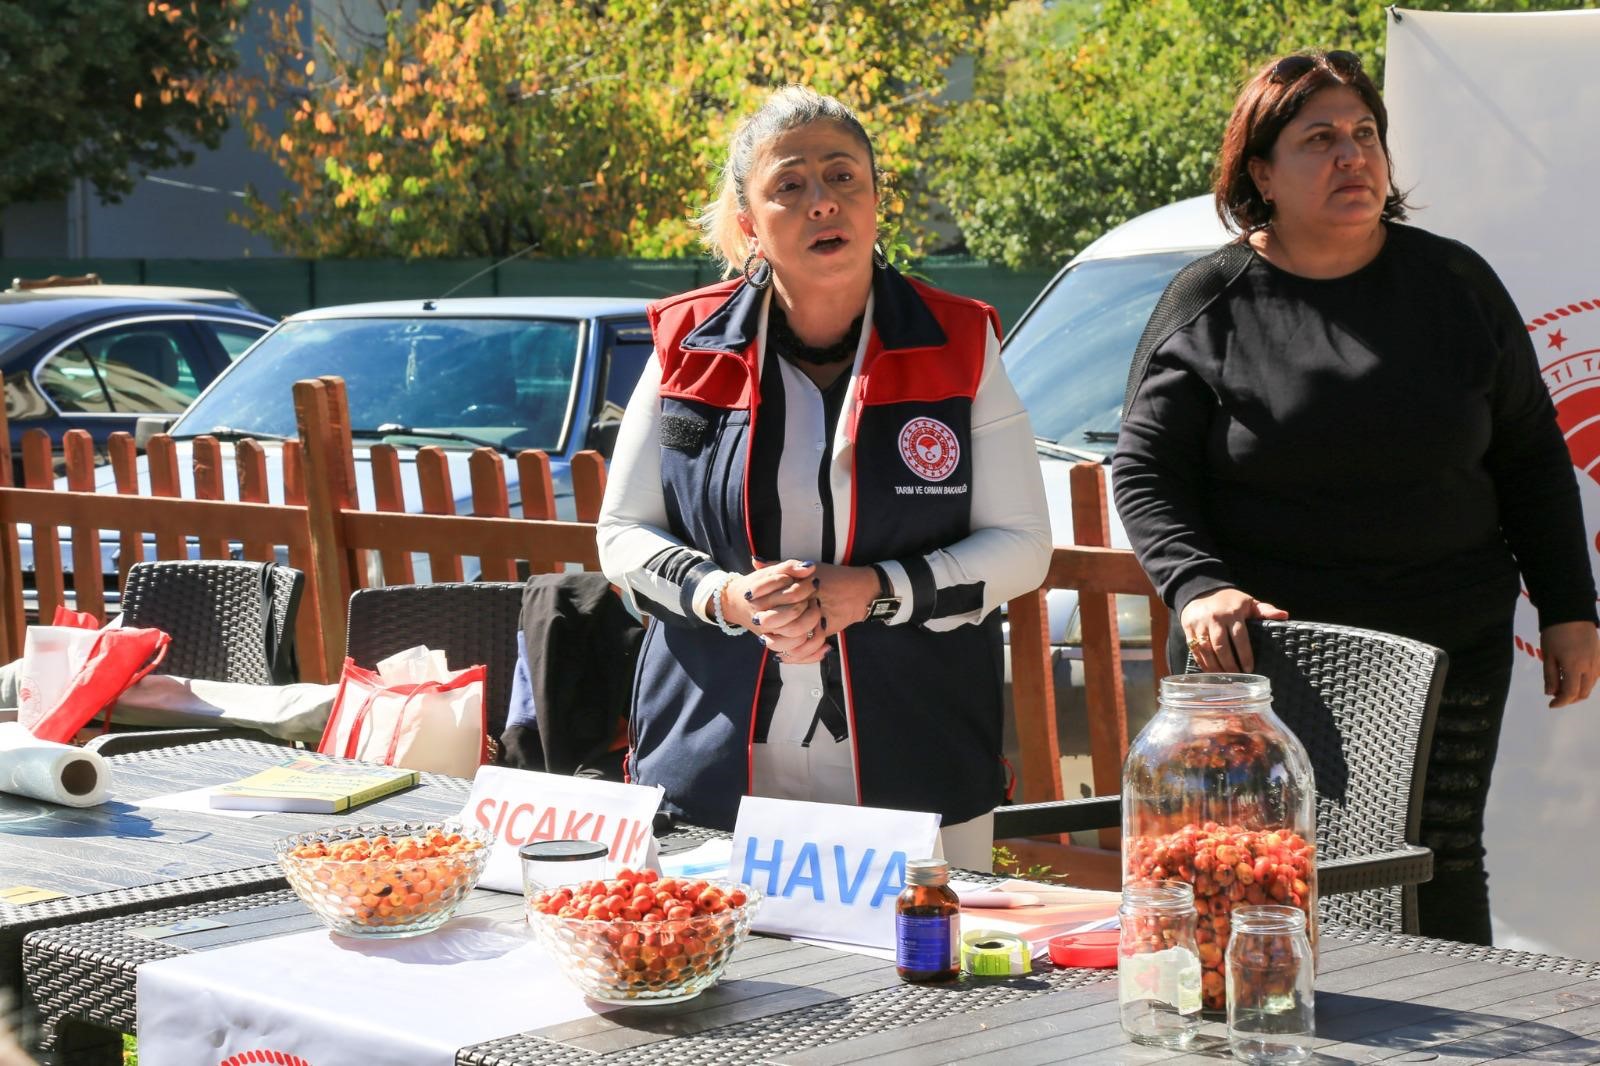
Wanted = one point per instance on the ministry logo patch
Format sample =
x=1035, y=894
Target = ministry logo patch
x=929, y=448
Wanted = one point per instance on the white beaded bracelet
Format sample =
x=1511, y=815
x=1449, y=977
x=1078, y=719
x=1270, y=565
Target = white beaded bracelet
x=716, y=607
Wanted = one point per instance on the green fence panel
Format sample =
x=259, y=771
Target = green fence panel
x=275, y=287
x=639, y=279
x=283, y=286
x=350, y=281
x=1007, y=291
x=111, y=271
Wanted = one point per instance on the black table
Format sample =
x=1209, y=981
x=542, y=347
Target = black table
x=119, y=858
x=1380, y=994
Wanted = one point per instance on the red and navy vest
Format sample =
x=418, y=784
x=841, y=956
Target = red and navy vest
x=925, y=707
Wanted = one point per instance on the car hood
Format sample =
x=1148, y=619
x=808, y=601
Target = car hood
x=1058, y=494
x=1062, y=604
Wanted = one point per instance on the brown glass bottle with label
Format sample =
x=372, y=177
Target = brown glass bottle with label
x=927, y=924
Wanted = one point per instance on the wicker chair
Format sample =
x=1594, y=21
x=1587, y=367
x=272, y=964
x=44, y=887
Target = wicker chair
x=1363, y=704
x=229, y=620
x=471, y=623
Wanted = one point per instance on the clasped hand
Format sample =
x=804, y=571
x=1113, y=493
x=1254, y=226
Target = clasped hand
x=794, y=606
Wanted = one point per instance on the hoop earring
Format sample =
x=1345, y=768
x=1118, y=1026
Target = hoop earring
x=757, y=280
x=880, y=258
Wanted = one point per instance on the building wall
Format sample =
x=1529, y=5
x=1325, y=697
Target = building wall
x=179, y=213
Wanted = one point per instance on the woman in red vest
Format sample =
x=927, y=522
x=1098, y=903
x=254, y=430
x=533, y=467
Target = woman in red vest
x=822, y=490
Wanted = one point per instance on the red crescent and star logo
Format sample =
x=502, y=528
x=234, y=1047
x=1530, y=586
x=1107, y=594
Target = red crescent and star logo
x=929, y=448
x=1567, y=338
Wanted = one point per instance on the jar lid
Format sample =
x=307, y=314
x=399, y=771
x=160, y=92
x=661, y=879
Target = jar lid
x=563, y=850
x=1092, y=950
x=932, y=872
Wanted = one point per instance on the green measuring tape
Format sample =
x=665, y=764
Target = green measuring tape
x=988, y=953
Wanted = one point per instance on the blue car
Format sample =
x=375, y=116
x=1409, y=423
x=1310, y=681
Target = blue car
x=100, y=363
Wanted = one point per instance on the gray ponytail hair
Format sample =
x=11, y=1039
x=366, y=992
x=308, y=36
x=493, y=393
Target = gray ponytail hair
x=786, y=109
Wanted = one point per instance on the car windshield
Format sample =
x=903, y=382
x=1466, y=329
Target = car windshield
x=509, y=382
x=1069, y=357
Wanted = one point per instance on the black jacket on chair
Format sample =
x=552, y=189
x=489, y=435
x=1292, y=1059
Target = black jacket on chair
x=580, y=645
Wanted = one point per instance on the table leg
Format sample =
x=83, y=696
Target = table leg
x=80, y=1043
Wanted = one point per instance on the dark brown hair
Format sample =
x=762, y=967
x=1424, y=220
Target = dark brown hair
x=1269, y=102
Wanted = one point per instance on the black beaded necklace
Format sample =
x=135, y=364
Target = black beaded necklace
x=782, y=338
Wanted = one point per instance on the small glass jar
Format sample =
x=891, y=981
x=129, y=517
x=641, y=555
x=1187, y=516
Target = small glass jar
x=1217, y=791
x=1158, y=964
x=927, y=924
x=1271, y=986
x=548, y=863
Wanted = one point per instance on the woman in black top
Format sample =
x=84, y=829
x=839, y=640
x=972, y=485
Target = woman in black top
x=1352, y=428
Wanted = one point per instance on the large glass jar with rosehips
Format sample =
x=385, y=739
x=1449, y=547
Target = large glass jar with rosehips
x=1218, y=792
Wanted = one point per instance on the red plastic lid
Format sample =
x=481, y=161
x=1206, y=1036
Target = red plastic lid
x=1094, y=950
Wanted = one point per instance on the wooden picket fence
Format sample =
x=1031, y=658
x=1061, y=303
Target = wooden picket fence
x=325, y=535
x=317, y=523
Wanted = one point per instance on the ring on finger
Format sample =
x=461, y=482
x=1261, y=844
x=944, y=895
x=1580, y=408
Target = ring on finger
x=1195, y=643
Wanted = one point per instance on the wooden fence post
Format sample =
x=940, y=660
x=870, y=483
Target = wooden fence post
x=325, y=499
x=538, y=496
x=88, y=584
x=438, y=497
x=389, y=495
x=12, y=621
x=125, y=468
x=490, y=500
x=161, y=459
x=588, y=484
x=39, y=470
x=1033, y=698
x=1102, y=645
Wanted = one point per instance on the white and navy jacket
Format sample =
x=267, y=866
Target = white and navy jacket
x=931, y=472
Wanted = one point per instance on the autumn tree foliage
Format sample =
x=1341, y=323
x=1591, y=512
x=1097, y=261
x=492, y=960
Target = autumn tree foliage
x=581, y=128
x=105, y=89
x=1086, y=114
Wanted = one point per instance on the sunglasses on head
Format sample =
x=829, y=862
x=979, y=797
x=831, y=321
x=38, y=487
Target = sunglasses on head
x=1293, y=68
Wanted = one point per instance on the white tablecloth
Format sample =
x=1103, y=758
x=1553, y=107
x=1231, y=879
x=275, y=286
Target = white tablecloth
x=328, y=1000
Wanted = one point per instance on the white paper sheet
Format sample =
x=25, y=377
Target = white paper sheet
x=408, y=1002
x=195, y=799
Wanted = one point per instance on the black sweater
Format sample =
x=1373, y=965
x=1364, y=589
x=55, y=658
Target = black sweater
x=1376, y=449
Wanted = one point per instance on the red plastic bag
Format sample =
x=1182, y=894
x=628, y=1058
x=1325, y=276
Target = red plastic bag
x=118, y=658
x=65, y=616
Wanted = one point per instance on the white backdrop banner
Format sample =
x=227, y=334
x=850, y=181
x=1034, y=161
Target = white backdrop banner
x=1495, y=127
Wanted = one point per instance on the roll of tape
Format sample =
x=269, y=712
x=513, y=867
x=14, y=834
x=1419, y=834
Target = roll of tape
x=988, y=953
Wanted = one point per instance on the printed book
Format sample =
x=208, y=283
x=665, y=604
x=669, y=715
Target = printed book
x=314, y=786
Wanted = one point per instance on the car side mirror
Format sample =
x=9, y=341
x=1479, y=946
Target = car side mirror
x=149, y=426
x=603, y=437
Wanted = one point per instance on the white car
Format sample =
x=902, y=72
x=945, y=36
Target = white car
x=1069, y=357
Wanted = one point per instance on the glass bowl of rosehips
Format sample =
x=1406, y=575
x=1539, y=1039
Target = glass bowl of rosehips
x=642, y=938
x=387, y=879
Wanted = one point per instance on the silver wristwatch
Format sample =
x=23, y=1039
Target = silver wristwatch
x=886, y=604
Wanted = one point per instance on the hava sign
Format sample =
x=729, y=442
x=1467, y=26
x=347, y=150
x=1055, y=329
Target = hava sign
x=828, y=872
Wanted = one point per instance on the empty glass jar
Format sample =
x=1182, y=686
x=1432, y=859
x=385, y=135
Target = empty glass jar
x=1271, y=994
x=1217, y=792
x=1158, y=967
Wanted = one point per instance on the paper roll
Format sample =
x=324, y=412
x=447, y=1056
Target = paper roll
x=45, y=770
